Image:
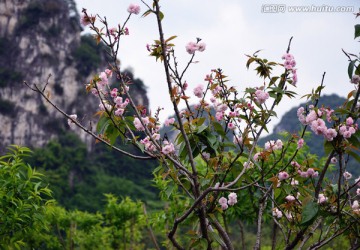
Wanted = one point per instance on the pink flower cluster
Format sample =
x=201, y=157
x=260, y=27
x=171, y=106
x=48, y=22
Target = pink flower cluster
x=310, y=172
x=192, y=47
x=355, y=79
x=119, y=103
x=322, y=199
x=347, y=175
x=168, y=148
x=84, y=20
x=199, y=91
x=148, y=144
x=232, y=200
x=220, y=109
x=316, y=122
x=283, y=175
x=277, y=213
x=289, y=64
x=300, y=143
x=104, y=105
x=261, y=96
x=138, y=125
x=134, y=9
x=348, y=128
x=356, y=207
x=272, y=145
x=103, y=82
x=169, y=121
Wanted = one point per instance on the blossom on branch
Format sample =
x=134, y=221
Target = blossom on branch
x=134, y=9
x=223, y=203
x=71, y=122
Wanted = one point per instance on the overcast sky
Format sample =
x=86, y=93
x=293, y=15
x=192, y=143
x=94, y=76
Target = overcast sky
x=233, y=28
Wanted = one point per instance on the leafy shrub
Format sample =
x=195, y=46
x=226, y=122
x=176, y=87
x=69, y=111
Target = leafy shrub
x=22, y=197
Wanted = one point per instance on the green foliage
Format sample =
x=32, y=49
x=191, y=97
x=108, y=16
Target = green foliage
x=79, y=179
x=121, y=226
x=87, y=55
x=37, y=11
x=23, y=198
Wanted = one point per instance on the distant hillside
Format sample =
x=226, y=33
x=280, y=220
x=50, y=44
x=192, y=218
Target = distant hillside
x=42, y=37
x=38, y=38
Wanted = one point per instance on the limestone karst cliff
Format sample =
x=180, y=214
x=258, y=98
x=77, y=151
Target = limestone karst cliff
x=38, y=38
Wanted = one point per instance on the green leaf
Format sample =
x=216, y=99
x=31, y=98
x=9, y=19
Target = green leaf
x=219, y=129
x=217, y=238
x=351, y=68
x=161, y=15
x=357, y=30
x=309, y=212
x=141, y=146
x=102, y=124
x=146, y=13
x=201, y=128
x=112, y=133
x=169, y=190
x=328, y=147
x=170, y=38
x=204, y=182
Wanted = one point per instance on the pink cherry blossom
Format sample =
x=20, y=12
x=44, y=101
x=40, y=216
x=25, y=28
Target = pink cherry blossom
x=232, y=199
x=300, y=115
x=322, y=199
x=349, y=121
x=198, y=91
x=201, y=47
x=168, y=148
x=119, y=112
x=191, y=47
x=219, y=116
x=357, y=181
x=84, y=20
x=169, y=121
x=333, y=160
x=71, y=122
x=287, y=57
x=290, y=198
x=312, y=173
x=223, y=203
x=347, y=175
x=261, y=96
x=206, y=155
x=355, y=79
x=231, y=126
x=303, y=174
x=294, y=182
x=277, y=213
x=134, y=9
x=114, y=92
x=300, y=143
x=330, y=134
x=283, y=175
x=355, y=205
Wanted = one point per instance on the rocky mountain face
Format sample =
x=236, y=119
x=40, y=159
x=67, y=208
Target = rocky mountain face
x=39, y=38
